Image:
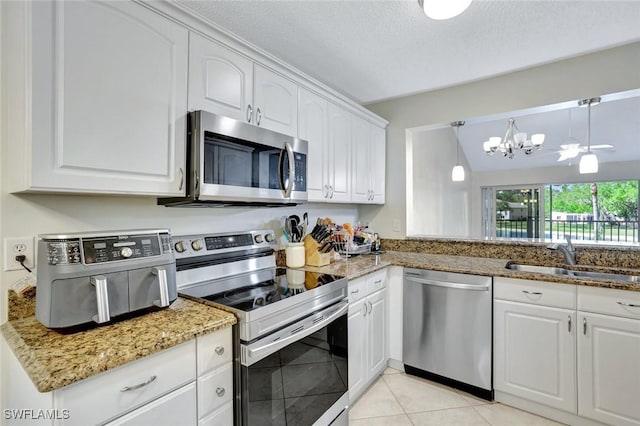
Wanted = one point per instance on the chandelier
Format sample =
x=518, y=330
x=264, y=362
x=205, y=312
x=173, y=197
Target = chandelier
x=514, y=140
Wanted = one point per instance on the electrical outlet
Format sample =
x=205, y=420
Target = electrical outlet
x=396, y=225
x=18, y=246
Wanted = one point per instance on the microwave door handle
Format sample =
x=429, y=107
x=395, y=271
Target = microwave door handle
x=292, y=176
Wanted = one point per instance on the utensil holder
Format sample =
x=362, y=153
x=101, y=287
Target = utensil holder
x=295, y=255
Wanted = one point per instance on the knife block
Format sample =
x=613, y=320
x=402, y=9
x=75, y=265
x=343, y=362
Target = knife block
x=312, y=256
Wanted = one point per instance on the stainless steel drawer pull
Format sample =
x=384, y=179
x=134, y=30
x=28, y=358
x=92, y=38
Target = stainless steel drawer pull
x=584, y=326
x=533, y=293
x=220, y=350
x=220, y=392
x=569, y=324
x=628, y=304
x=355, y=291
x=377, y=281
x=138, y=386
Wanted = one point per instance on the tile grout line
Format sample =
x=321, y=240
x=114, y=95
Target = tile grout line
x=481, y=416
x=396, y=398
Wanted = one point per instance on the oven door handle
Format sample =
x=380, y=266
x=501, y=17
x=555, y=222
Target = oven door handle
x=260, y=352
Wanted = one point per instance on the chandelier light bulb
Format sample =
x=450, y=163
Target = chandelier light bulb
x=443, y=9
x=537, y=140
x=588, y=164
x=514, y=140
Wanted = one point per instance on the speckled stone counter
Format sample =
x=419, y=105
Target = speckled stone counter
x=365, y=264
x=53, y=359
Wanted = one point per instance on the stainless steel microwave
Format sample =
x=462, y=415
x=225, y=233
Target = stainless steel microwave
x=230, y=162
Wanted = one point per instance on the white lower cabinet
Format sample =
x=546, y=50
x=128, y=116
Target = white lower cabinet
x=367, y=322
x=609, y=356
x=535, y=353
x=575, y=349
x=188, y=384
x=175, y=408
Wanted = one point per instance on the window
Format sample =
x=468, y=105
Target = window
x=600, y=211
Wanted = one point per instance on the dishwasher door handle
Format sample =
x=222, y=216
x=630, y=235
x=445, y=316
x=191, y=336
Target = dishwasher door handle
x=445, y=284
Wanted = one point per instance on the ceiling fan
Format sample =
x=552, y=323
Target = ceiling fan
x=572, y=150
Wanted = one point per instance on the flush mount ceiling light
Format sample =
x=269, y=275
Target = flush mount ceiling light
x=457, y=174
x=443, y=9
x=514, y=140
x=589, y=161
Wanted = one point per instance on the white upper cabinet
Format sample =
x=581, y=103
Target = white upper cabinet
x=339, y=158
x=220, y=80
x=106, y=83
x=276, y=101
x=228, y=83
x=313, y=127
x=368, y=162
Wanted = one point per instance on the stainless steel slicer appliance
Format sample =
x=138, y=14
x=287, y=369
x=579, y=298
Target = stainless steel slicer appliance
x=95, y=278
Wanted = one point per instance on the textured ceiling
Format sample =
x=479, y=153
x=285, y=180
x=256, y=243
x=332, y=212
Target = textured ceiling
x=613, y=122
x=374, y=50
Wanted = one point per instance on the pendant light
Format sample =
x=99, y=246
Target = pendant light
x=443, y=9
x=457, y=174
x=589, y=161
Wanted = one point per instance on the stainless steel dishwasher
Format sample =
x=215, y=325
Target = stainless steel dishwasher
x=447, y=321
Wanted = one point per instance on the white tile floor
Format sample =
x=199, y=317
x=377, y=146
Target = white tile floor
x=400, y=399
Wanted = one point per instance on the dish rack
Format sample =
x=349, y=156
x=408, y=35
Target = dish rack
x=343, y=243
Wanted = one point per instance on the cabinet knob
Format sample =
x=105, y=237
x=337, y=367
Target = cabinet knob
x=220, y=392
x=220, y=350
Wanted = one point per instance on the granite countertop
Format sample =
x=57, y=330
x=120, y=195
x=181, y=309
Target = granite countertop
x=53, y=359
x=365, y=264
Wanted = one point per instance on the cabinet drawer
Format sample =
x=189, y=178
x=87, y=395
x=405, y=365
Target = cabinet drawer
x=214, y=350
x=621, y=303
x=222, y=417
x=176, y=408
x=215, y=389
x=357, y=289
x=376, y=281
x=104, y=397
x=535, y=292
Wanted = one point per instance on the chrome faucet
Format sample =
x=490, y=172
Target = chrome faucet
x=567, y=250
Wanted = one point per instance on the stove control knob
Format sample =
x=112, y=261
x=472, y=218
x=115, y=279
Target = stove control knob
x=258, y=239
x=126, y=252
x=180, y=247
x=269, y=237
x=196, y=245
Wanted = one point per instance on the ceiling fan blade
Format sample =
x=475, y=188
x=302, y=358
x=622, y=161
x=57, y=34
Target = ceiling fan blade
x=567, y=154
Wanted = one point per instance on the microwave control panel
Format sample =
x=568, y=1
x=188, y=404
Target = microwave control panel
x=300, y=182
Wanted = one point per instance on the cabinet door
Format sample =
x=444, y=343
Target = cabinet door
x=357, y=329
x=275, y=101
x=109, y=99
x=361, y=160
x=377, y=333
x=378, y=165
x=312, y=116
x=220, y=80
x=176, y=408
x=535, y=353
x=339, y=154
x=609, y=369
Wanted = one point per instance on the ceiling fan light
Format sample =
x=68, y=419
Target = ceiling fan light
x=457, y=174
x=443, y=9
x=537, y=139
x=588, y=164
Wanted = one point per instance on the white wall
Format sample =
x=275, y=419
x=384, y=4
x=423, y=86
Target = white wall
x=435, y=204
x=609, y=71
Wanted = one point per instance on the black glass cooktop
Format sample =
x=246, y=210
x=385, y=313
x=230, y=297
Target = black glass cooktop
x=285, y=283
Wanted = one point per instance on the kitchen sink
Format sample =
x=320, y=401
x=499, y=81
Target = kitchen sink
x=537, y=269
x=550, y=270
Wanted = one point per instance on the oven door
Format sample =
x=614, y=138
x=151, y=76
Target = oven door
x=241, y=162
x=298, y=375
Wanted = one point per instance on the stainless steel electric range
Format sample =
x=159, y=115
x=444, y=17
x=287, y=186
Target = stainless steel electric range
x=291, y=338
